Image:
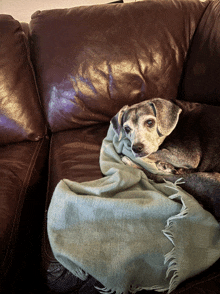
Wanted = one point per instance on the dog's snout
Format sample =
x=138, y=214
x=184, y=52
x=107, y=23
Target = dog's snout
x=138, y=148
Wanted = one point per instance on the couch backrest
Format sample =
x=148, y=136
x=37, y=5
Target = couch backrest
x=90, y=61
x=20, y=113
x=201, y=82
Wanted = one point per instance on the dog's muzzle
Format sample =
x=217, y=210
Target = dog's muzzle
x=138, y=150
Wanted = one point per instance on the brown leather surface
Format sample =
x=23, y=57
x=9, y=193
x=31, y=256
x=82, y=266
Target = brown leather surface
x=20, y=114
x=90, y=61
x=201, y=81
x=21, y=165
x=74, y=155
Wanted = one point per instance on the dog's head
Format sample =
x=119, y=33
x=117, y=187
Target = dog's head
x=146, y=124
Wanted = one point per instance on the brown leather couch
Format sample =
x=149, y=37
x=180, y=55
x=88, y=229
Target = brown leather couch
x=62, y=78
x=23, y=153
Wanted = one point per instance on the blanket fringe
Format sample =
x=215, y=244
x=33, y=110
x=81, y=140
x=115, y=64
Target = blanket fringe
x=132, y=289
x=179, y=181
x=79, y=273
x=171, y=256
x=107, y=291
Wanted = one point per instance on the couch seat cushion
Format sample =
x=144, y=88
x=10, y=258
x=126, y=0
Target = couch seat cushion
x=74, y=155
x=21, y=165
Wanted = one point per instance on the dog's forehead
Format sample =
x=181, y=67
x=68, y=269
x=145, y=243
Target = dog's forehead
x=137, y=111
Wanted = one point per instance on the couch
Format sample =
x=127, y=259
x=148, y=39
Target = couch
x=63, y=77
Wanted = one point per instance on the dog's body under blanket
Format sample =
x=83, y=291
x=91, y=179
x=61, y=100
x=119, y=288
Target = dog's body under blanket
x=127, y=231
x=196, y=138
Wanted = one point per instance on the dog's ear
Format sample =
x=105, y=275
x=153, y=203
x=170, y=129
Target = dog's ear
x=167, y=114
x=117, y=121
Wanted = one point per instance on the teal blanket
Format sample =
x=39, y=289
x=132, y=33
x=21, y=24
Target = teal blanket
x=127, y=231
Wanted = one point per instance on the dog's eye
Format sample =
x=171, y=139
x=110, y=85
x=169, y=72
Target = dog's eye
x=127, y=130
x=150, y=123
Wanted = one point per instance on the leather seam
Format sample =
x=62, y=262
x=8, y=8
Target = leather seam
x=18, y=210
x=47, y=203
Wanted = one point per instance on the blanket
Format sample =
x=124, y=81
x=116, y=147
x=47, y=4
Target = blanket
x=127, y=231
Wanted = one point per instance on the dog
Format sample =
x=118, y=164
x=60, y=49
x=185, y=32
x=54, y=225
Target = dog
x=178, y=136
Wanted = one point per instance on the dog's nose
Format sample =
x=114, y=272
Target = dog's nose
x=138, y=148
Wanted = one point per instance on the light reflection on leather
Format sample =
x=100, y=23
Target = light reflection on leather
x=20, y=111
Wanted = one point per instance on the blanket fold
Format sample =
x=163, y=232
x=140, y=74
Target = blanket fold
x=127, y=231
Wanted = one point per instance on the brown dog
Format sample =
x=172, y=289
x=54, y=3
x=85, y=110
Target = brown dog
x=178, y=136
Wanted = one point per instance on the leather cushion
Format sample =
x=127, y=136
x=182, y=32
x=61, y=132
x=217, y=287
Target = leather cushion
x=21, y=166
x=20, y=113
x=90, y=61
x=201, y=80
x=74, y=155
